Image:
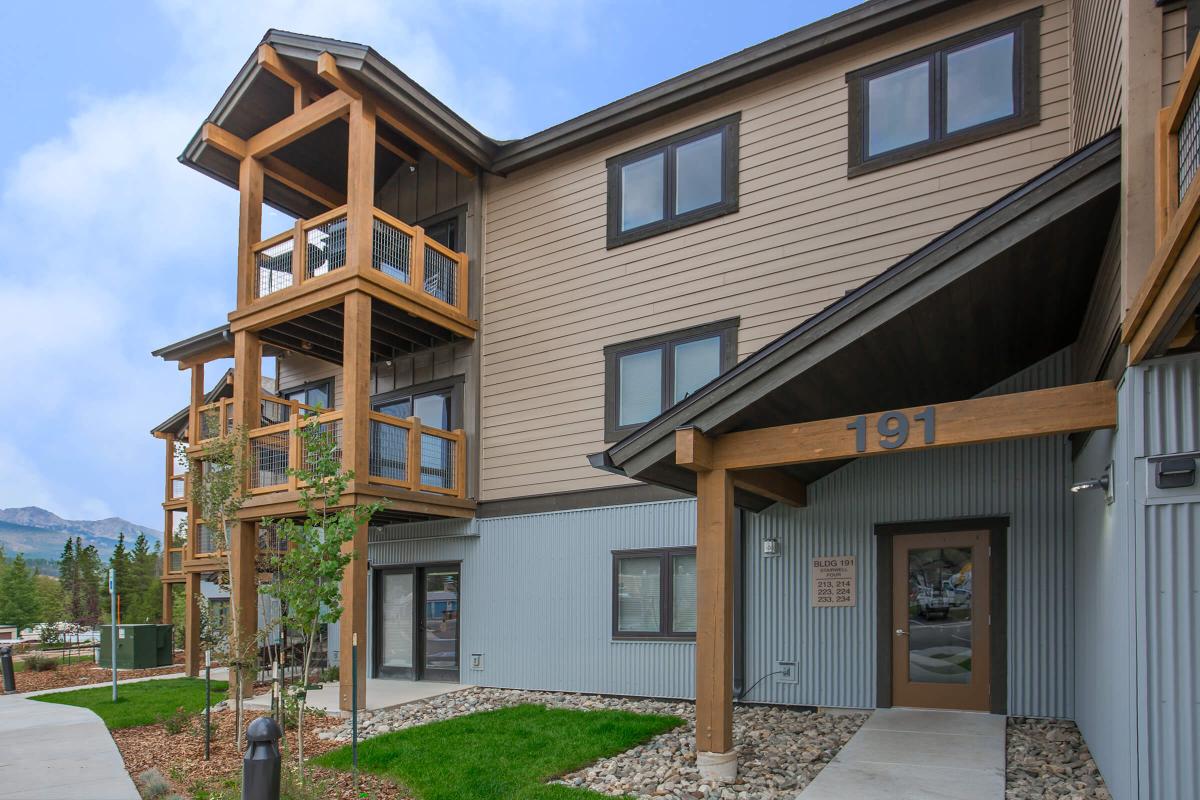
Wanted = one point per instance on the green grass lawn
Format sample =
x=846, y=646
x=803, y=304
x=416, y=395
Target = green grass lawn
x=139, y=703
x=506, y=754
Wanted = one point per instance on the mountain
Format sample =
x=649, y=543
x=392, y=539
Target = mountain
x=38, y=533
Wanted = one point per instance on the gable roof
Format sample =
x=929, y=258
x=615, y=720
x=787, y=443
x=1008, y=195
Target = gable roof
x=1001, y=290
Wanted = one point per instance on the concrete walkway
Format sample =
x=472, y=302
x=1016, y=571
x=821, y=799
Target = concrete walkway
x=381, y=694
x=910, y=754
x=50, y=751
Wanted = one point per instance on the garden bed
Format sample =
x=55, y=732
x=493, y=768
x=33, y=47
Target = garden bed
x=81, y=674
x=1048, y=758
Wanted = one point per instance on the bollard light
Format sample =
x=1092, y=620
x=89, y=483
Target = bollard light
x=260, y=766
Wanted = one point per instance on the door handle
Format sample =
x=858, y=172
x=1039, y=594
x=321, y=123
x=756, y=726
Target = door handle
x=901, y=632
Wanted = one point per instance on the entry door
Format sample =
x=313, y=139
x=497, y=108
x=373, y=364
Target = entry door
x=940, y=619
x=417, y=623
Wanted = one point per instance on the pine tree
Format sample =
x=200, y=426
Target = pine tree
x=122, y=568
x=90, y=572
x=18, y=595
x=68, y=577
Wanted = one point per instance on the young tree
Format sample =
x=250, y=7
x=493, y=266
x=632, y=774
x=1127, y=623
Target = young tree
x=218, y=492
x=313, y=556
x=118, y=562
x=18, y=596
x=49, y=598
x=68, y=578
x=90, y=571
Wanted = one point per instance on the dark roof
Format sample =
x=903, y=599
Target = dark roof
x=254, y=100
x=998, y=292
x=177, y=422
x=194, y=344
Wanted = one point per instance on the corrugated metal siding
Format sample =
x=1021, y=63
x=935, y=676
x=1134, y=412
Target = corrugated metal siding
x=1025, y=480
x=537, y=596
x=1167, y=523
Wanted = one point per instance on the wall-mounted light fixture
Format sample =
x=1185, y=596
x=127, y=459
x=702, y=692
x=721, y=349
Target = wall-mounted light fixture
x=1103, y=483
x=770, y=547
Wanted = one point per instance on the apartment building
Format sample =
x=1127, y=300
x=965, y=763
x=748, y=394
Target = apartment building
x=856, y=369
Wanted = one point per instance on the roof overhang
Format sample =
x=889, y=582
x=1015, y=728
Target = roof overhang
x=200, y=345
x=1002, y=290
x=177, y=423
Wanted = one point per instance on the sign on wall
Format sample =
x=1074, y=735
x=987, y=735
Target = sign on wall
x=834, y=581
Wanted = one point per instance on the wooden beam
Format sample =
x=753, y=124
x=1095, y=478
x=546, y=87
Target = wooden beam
x=385, y=141
x=356, y=371
x=301, y=182
x=222, y=140
x=1067, y=409
x=307, y=87
x=243, y=591
x=693, y=449
x=308, y=119
x=773, y=485
x=354, y=620
x=714, y=612
x=328, y=70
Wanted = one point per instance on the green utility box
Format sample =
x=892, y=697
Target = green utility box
x=138, y=646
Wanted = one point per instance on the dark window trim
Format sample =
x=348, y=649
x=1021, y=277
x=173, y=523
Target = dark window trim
x=1026, y=85
x=668, y=145
x=665, y=603
x=726, y=328
x=304, y=387
x=454, y=383
x=458, y=214
x=998, y=529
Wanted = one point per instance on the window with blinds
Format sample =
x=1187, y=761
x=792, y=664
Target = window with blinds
x=654, y=594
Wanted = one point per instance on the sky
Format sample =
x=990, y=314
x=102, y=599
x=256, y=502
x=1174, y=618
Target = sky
x=109, y=248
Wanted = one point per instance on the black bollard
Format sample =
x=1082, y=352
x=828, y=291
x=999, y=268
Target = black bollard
x=260, y=767
x=6, y=666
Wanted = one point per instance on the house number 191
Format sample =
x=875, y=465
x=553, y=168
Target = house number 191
x=893, y=428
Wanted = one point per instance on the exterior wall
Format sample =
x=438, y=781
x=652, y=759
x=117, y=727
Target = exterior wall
x=1105, y=672
x=1164, y=407
x=1096, y=62
x=805, y=233
x=1097, y=350
x=536, y=599
x=537, y=588
x=1174, y=51
x=296, y=370
x=1026, y=480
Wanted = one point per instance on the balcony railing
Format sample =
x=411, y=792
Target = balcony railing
x=404, y=453
x=402, y=252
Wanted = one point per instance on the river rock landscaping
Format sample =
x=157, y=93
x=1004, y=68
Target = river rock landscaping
x=1048, y=760
x=780, y=750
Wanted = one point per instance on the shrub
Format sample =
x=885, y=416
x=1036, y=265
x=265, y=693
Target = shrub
x=152, y=785
x=177, y=721
x=35, y=662
x=330, y=674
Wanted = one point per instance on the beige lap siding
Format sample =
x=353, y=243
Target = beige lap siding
x=804, y=235
x=1096, y=48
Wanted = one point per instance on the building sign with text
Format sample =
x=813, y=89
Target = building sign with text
x=834, y=581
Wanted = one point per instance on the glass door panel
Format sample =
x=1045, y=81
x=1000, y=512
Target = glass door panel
x=396, y=623
x=939, y=615
x=440, y=624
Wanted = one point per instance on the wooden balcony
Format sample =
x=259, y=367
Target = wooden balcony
x=1162, y=316
x=412, y=271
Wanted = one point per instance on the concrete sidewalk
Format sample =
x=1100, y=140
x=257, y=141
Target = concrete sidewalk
x=912, y=754
x=50, y=751
x=381, y=694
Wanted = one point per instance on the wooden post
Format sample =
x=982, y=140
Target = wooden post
x=413, y=468
x=192, y=657
x=356, y=366
x=168, y=609
x=360, y=185
x=715, y=754
x=243, y=584
x=354, y=621
x=250, y=187
x=197, y=400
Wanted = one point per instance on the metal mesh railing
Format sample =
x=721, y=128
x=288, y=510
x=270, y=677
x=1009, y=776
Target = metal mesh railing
x=269, y=460
x=210, y=422
x=176, y=561
x=325, y=247
x=206, y=539
x=389, y=451
x=332, y=428
x=391, y=250
x=178, y=487
x=1189, y=146
x=273, y=266
x=437, y=461
x=275, y=411
x=441, y=273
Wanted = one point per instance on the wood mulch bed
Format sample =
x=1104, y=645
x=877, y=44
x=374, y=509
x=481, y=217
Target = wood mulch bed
x=180, y=757
x=82, y=674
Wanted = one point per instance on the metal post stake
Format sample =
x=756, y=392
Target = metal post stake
x=207, y=702
x=354, y=707
x=112, y=600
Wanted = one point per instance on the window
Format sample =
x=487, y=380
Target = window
x=437, y=405
x=957, y=91
x=684, y=179
x=644, y=378
x=654, y=594
x=318, y=394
